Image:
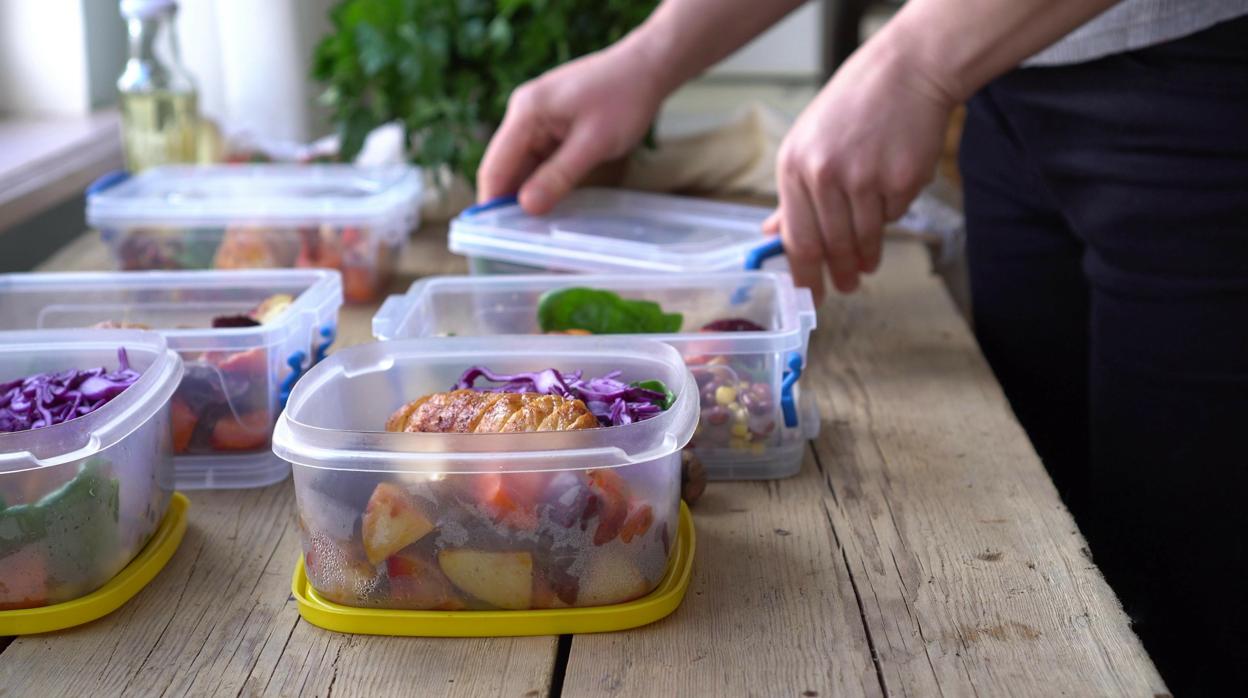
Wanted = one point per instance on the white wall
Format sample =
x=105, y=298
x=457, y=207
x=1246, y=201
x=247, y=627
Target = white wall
x=43, y=58
x=789, y=49
x=251, y=59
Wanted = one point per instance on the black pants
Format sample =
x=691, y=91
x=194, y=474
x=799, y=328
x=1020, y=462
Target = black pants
x=1107, y=213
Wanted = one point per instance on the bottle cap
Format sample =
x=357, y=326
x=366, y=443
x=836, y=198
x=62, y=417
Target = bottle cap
x=143, y=9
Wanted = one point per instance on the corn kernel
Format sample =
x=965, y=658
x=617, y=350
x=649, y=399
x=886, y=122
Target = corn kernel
x=738, y=444
x=725, y=395
x=741, y=431
x=758, y=449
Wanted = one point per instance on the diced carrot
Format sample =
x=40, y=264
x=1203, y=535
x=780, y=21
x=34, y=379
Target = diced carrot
x=637, y=523
x=184, y=421
x=249, y=433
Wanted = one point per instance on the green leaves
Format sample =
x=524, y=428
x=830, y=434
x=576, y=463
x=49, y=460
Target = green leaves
x=658, y=386
x=602, y=312
x=444, y=68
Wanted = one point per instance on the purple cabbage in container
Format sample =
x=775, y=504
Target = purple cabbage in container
x=45, y=399
x=611, y=400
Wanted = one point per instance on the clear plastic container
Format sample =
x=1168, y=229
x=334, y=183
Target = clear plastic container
x=609, y=230
x=746, y=378
x=510, y=521
x=236, y=378
x=355, y=220
x=78, y=500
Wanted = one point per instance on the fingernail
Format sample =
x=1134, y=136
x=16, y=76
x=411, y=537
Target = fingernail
x=535, y=200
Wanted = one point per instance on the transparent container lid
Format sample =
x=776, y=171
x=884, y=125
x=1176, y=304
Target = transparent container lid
x=603, y=230
x=267, y=194
x=336, y=413
x=180, y=305
x=27, y=353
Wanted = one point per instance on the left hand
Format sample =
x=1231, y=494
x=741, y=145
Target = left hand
x=854, y=160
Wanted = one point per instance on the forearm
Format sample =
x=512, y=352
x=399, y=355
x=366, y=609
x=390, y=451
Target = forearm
x=962, y=44
x=682, y=38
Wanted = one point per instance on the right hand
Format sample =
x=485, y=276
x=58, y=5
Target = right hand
x=561, y=125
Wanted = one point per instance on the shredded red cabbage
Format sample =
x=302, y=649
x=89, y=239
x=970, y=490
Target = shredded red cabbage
x=45, y=399
x=611, y=400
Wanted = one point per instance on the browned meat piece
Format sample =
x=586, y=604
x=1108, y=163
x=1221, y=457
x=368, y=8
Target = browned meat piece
x=472, y=412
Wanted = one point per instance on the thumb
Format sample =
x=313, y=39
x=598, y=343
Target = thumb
x=575, y=157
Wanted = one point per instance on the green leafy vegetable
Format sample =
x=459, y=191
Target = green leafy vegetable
x=602, y=312
x=445, y=68
x=658, y=386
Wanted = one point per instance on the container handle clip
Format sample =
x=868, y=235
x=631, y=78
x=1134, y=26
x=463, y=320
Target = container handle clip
x=295, y=361
x=787, y=404
x=496, y=202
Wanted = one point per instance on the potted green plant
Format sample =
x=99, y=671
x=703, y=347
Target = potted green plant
x=445, y=68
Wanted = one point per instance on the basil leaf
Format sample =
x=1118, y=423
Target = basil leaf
x=603, y=312
x=658, y=386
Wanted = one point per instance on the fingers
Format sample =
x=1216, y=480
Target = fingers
x=800, y=232
x=579, y=153
x=509, y=158
x=771, y=224
x=868, y=219
x=840, y=246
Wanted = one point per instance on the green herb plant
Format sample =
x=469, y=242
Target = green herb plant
x=445, y=68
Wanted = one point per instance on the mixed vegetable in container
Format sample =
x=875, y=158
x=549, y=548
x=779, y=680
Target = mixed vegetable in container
x=70, y=523
x=508, y=503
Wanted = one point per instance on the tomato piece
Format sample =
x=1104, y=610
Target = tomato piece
x=184, y=421
x=613, y=498
x=637, y=523
x=416, y=582
x=248, y=433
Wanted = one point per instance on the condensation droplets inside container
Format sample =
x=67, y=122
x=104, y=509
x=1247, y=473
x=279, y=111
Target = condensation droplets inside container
x=744, y=334
x=605, y=230
x=353, y=219
x=517, y=520
x=276, y=324
x=79, y=499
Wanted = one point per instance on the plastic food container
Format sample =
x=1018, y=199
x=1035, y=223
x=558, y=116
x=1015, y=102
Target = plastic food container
x=754, y=424
x=355, y=220
x=236, y=379
x=608, y=230
x=80, y=499
x=457, y=522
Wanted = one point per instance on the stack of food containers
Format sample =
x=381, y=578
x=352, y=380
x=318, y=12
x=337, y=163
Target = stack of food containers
x=245, y=338
x=83, y=500
x=352, y=219
x=744, y=335
x=485, y=533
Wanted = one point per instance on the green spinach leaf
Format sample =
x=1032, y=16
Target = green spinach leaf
x=602, y=312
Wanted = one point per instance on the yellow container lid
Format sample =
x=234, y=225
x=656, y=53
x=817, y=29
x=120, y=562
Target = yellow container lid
x=108, y=598
x=556, y=621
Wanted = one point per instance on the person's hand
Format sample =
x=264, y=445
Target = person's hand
x=855, y=159
x=564, y=123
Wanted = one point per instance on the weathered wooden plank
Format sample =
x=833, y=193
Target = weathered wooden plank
x=973, y=578
x=770, y=610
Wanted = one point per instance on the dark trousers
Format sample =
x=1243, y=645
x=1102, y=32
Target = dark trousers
x=1107, y=214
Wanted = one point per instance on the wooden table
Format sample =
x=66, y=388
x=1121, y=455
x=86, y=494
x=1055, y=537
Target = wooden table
x=922, y=550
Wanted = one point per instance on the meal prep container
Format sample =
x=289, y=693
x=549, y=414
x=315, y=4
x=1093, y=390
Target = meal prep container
x=355, y=220
x=754, y=424
x=512, y=521
x=608, y=230
x=236, y=379
x=80, y=499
